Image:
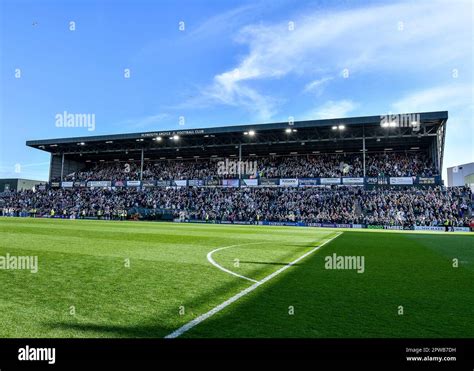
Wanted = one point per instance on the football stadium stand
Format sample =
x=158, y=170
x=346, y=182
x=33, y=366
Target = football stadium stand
x=375, y=172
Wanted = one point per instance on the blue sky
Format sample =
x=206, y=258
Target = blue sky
x=235, y=62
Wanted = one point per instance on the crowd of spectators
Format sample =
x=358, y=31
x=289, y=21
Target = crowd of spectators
x=427, y=206
x=417, y=206
x=304, y=166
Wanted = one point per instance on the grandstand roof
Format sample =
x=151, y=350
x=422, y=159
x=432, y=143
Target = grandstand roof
x=282, y=138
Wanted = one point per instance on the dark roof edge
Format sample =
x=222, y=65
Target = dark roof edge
x=438, y=115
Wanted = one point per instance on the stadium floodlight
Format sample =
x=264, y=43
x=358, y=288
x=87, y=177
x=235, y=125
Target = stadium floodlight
x=341, y=127
x=109, y=142
x=175, y=137
x=158, y=139
x=391, y=124
x=81, y=144
x=334, y=127
x=251, y=133
x=288, y=130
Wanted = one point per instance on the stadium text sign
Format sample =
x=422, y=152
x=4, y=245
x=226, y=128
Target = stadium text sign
x=330, y=180
x=354, y=181
x=171, y=133
x=289, y=182
x=403, y=180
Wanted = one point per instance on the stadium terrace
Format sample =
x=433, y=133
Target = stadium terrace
x=341, y=140
x=354, y=173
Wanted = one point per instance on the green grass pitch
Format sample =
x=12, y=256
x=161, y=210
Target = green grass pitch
x=131, y=279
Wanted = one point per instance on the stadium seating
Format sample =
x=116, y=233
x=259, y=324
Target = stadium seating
x=393, y=206
x=304, y=166
x=426, y=206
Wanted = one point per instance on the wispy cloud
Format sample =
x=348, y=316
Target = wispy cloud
x=223, y=22
x=419, y=36
x=436, y=98
x=228, y=89
x=332, y=109
x=317, y=85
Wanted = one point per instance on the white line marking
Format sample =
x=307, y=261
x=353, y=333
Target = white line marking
x=236, y=297
x=209, y=258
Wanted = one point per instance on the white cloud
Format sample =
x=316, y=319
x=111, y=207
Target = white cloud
x=433, y=32
x=226, y=89
x=423, y=36
x=222, y=22
x=317, y=85
x=436, y=98
x=331, y=110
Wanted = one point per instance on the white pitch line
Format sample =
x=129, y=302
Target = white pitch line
x=188, y=326
x=209, y=258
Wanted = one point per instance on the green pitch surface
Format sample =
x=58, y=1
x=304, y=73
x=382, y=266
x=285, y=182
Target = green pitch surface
x=129, y=279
